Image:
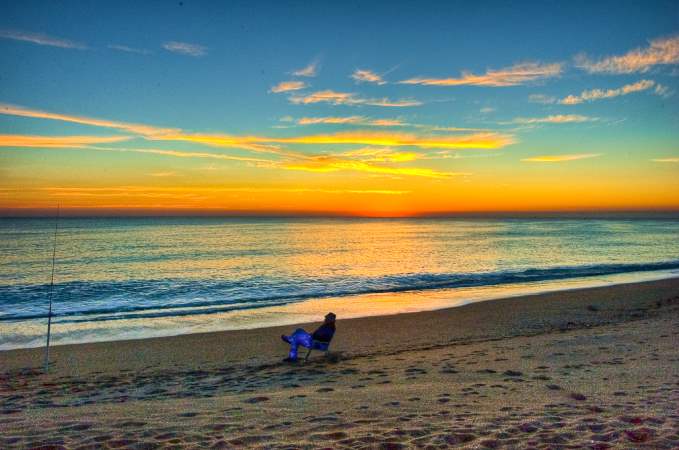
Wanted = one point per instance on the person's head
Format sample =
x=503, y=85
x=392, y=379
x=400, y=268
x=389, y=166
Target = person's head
x=330, y=318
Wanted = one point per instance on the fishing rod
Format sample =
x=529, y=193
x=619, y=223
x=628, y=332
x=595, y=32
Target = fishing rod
x=49, y=312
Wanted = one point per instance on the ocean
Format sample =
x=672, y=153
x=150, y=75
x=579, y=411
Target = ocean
x=124, y=278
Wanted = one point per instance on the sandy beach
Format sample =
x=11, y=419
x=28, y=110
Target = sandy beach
x=591, y=368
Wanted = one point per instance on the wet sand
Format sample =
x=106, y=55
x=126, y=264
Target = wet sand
x=592, y=368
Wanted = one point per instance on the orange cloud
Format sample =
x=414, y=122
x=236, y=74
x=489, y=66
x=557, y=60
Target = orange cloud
x=660, y=51
x=666, y=160
x=370, y=154
x=561, y=158
x=264, y=144
x=126, y=190
x=252, y=143
x=387, y=123
x=147, y=131
x=17, y=140
x=163, y=174
x=325, y=164
x=327, y=96
x=598, y=94
x=478, y=140
x=510, y=76
x=287, y=86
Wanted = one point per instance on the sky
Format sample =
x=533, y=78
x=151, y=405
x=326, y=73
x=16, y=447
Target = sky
x=350, y=108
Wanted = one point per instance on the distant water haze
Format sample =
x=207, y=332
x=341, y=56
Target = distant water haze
x=120, y=278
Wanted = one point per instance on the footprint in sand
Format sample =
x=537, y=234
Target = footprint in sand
x=257, y=399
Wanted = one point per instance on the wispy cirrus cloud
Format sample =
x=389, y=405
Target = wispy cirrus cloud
x=660, y=51
x=561, y=158
x=558, y=118
x=666, y=160
x=185, y=48
x=663, y=91
x=389, y=139
x=372, y=160
x=386, y=123
x=330, y=120
x=263, y=144
x=389, y=103
x=144, y=130
x=380, y=162
x=22, y=140
x=124, y=190
x=41, y=39
x=381, y=157
x=509, y=76
x=327, y=96
x=368, y=121
x=287, y=86
x=541, y=98
x=381, y=154
x=324, y=164
x=251, y=143
x=162, y=174
x=147, y=131
x=310, y=70
x=126, y=49
x=354, y=120
x=453, y=129
x=598, y=94
x=349, y=98
x=367, y=76
x=177, y=153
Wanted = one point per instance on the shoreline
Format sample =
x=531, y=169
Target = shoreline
x=348, y=307
x=571, y=304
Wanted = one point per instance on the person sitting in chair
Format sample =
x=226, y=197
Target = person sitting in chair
x=319, y=340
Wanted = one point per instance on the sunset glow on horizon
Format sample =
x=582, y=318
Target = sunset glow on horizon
x=214, y=108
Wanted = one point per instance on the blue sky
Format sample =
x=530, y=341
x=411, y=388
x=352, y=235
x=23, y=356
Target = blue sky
x=213, y=68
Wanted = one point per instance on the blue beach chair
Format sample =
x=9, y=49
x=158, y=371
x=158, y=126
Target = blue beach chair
x=320, y=346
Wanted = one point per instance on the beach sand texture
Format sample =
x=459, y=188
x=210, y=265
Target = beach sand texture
x=592, y=368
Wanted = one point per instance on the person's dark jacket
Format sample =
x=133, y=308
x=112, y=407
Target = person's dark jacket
x=324, y=333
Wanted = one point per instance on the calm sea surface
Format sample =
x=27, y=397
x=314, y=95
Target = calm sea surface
x=119, y=278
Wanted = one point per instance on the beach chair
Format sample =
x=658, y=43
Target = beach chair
x=320, y=346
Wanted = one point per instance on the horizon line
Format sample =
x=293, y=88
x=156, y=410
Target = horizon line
x=196, y=212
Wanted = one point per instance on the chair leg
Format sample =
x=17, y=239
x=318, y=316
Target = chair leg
x=306, y=358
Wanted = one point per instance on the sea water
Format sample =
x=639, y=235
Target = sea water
x=121, y=278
